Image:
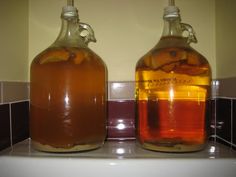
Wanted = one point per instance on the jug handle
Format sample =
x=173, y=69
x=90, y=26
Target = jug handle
x=191, y=34
x=89, y=36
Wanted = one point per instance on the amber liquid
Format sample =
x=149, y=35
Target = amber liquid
x=172, y=89
x=68, y=100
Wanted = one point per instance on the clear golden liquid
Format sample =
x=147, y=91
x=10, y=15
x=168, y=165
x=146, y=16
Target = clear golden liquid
x=68, y=98
x=172, y=90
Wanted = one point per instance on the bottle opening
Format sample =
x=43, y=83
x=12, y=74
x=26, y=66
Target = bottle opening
x=69, y=10
x=171, y=10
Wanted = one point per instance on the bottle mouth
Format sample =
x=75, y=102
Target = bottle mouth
x=171, y=11
x=69, y=11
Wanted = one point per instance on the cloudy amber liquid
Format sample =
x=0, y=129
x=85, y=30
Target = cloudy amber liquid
x=68, y=100
x=172, y=92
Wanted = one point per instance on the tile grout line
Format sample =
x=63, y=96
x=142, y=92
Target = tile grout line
x=225, y=97
x=10, y=125
x=121, y=99
x=215, y=112
x=216, y=90
x=12, y=102
x=223, y=140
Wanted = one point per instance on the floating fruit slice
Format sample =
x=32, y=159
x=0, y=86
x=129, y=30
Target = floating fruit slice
x=54, y=55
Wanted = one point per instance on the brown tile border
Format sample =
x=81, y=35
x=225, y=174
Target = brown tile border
x=227, y=87
x=123, y=90
x=117, y=90
x=215, y=84
x=14, y=91
x=121, y=104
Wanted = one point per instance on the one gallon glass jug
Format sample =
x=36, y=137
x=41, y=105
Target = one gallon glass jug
x=172, y=90
x=68, y=91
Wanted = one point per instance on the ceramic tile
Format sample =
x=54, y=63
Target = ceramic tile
x=227, y=87
x=121, y=90
x=20, y=121
x=223, y=119
x=234, y=122
x=1, y=94
x=14, y=91
x=108, y=90
x=212, y=117
x=4, y=126
x=28, y=90
x=215, y=84
x=121, y=123
x=222, y=141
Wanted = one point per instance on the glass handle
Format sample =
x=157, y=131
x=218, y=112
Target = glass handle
x=87, y=33
x=191, y=34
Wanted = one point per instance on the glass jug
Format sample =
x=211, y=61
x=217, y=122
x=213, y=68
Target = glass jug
x=172, y=91
x=68, y=91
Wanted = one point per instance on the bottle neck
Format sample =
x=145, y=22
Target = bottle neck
x=69, y=35
x=172, y=27
x=172, y=35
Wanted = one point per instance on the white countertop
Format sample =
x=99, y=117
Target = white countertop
x=115, y=159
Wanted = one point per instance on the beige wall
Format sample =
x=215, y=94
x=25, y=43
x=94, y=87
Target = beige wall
x=226, y=38
x=13, y=40
x=125, y=29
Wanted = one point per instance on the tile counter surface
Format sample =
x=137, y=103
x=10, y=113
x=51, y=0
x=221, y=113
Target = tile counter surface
x=122, y=150
x=117, y=159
